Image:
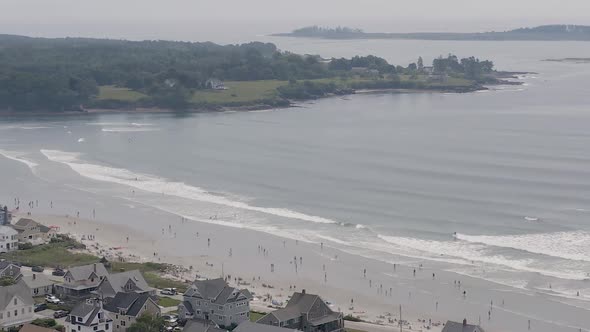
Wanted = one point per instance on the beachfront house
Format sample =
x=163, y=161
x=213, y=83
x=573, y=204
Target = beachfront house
x=215, y=84
x=80, y=281
x=124, y=282
x=306, y=312
x=16, y=305
x=451, y=326
x=216, y=301
x=125, y=308
x=8, y=269
x=32, y=232
x=248, y=326
x=8, y=239
x=200, y=325
x=5, y=216
x=89, y=316
x=38, y=283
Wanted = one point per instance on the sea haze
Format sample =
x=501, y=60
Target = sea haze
x=387, y=176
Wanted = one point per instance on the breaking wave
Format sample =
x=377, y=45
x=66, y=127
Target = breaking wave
x=17, y=156
x=574, y=245
x=153, y=184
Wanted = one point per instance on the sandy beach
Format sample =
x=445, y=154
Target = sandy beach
x=318, y=270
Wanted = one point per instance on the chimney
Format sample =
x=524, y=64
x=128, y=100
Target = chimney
x=464, y=321
x=94, y=267
x=34, y=276
x=303, y=291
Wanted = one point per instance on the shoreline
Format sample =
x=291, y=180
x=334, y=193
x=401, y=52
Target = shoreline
x=110, y=241
x=262, y=107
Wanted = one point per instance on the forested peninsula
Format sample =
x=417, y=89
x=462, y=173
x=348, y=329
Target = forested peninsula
x=80, y=74
x=543, y=32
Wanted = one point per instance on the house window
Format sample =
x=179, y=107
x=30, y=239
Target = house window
x=1, y=315
x=123, y=323
x=15, y=302
x=106, y=327
x=8, y=314
x=15, y=313
x=95, y=328
x=80, y=319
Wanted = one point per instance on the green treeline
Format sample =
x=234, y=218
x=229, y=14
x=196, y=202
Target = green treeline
x=39, y=74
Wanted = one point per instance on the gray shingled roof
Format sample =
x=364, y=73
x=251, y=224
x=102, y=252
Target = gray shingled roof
x=5, y=264
x=298, y=304
x=83, y=309
x=216, y=290
x=201, y=326
x=188, y=306
x=40, y=280
x=248, y=326
x=25, y=222
x=83, y=272
x=19, y=289
x=459, y=327
x=131, y=303
x=119, y=280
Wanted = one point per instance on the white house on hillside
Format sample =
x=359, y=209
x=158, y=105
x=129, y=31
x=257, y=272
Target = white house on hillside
x=89, y=316
x=8, y=239
x=16, y=305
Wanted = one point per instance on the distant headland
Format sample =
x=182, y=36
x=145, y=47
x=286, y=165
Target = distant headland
x=542, y=33
x=74, y=75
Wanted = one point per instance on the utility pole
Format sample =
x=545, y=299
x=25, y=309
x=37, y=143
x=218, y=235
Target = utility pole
x=400, y=319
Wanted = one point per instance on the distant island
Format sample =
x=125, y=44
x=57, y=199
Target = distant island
x=41, y=75
x=544, y=32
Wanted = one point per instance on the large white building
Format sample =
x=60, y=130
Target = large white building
x=8, y=239
x=214, y=300
x=16, y=305
x=89, y=316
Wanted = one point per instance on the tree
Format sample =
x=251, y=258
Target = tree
x=7, y=281
x=420, y=64
x=147, y=323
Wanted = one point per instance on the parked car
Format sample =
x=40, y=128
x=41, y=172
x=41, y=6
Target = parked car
x=40, y=307
x=52, y=299
x=170, y=320
x=169, y=291
x=58, y=272
x=60, y=314
x=37, y=269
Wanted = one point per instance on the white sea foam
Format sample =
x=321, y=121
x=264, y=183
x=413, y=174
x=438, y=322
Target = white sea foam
x=574, y=245
x=153, y=184
x=127, y=129
x=478, y=253
x=17, y=156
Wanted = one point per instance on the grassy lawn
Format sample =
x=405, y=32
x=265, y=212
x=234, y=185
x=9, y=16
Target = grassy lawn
x=156, y=281
x=109, y=92
x=254, y=316
x=167, y=302
x=150, y=273
x=50, y=255
x=243, y=91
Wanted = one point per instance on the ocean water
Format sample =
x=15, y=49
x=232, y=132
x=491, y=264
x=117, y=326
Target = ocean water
x=498, y=180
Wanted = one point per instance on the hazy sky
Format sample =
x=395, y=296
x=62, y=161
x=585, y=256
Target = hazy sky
x=105, y=17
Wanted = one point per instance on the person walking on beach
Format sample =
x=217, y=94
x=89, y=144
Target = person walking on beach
x=208, y=242
x=414, y=272
x=365, y=273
